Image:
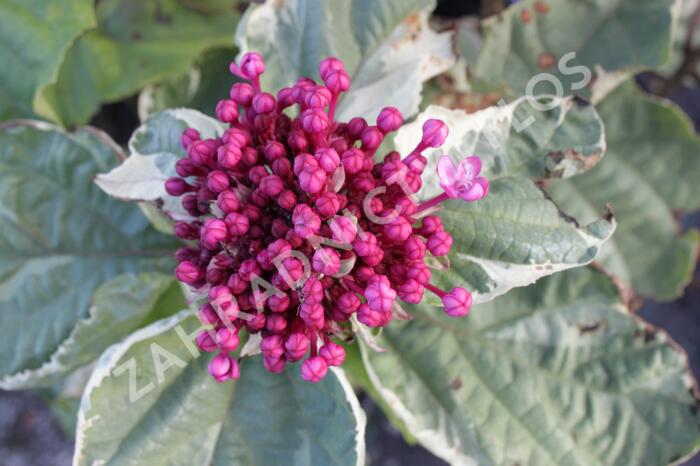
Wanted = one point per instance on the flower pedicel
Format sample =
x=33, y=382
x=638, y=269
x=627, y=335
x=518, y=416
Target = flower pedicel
x=296, y=227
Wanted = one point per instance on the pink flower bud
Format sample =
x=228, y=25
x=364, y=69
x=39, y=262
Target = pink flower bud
x=353, y=161
x=284, y=98
x=431, y=224
x=205, y=342
x=328, y=65
x=200, y=153
x=271, y=185
x=312, y=314
x=398, y=229
x=348, y=302
x=306, y=221
x=414, y=248
x=242, y=94
x=220, y=367
x=370, y=317
x=213, y=232
x=434, y=133
x=439, y=243
x=313, y=181
x=227, y=339
x=228, y=201
x=278, y=303
x=272, y=346
x=457, y=302
x=188, y=137
x=317, y=97
x=227, y=111
x=326, y=261
x=314, y=369
x=371, y=138
x=343, y=230
x=327, y=204
x=176, y=186
x=264, y=102
x=229, y=156
x=332, y=353
x=328, y=159
x=274, y=150
x=379, y=293
x=252, y=65
x=356, y=126
x=411, y=291
x=315, y=120
x=296, y=346
x=237, y=224
x=287, y=200
x=389, y=119
x=313, y=291
x=217, y=181
x=337, y=81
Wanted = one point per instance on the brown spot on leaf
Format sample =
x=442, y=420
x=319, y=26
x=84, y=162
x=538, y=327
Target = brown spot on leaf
x=646, y=334
x=525, y=16
x=546, y=60
x=541, y=7
x=456, y=384
x=590, y=328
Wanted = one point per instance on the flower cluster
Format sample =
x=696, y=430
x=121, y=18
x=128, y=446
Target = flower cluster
x=297, y=228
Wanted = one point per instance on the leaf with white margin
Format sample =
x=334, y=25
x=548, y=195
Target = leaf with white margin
x=513, y=139
x=183, y=417
x=60, y=238
x=553, y=374
x=154, y=149
x=387, y=47
x=512, y=238
x=570, y=40
x=119, y=306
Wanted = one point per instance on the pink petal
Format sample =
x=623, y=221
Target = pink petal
x=447, y=172
x=470, y=167
x=478, y=190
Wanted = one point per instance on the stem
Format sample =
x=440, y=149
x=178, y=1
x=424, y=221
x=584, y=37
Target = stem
x=331, y=108
x=434, y=289
x=256, y=84
x=430, y=203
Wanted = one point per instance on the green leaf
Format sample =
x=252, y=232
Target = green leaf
x=556, y=373
x=155, y=148
x=200, y=88
x=34, y=36
x=183, y=417
x=650, y=170
x=135, y=43
x=60, y=238
x=619, y=35
x=387, y=46
x=515, y=235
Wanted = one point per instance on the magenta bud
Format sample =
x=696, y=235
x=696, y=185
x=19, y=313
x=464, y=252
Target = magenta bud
x=278, y=303
x=353, y=161
x=327, y=204
x=264, y=102
x=304, y=162
x=252, y=65
x=431, y=224
x=176, y=186
x=242, y=94
x=434, y=133
x=274, y=150
x=287, y=200
x=227, y=339
x=228, y=201
x=282, y=167
x=285, y=98
x=188, y=137
x=439, y=243
x=317, y=97
x=237, y=224
x=220, y=367
x=411, y=291
x=200, y=152
x=414, y=248
x=328, y=159
x=343, y=230
x=274, y=365
x=457, y=302
x=337, y=81
x=213, y=232
x=229, y=156
x=207, y=314
x=329, y=65
x=296, y=346
x=389, y=119
x=276, y=323
x=272, y=346
x=205, y=342
x=306, y=221
x=314, y=369
x=379, y=293
x=188, y=273
x=315, y=120
x=227, y=111
x=313, y=181
x=218, y=181
x=271, y=185
x=313, y=291
x=398, y=229
x=371, y=138
x=326, y=261
x=356, y=126
x=332, y=353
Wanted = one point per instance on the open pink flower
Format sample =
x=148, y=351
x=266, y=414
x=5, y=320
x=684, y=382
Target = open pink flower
x=462, y=180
